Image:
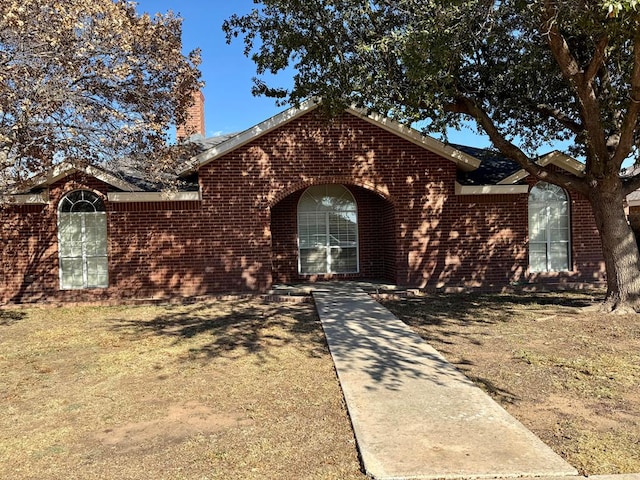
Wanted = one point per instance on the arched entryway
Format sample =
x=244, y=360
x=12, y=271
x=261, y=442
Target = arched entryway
x=333, y=231
x=327, y=231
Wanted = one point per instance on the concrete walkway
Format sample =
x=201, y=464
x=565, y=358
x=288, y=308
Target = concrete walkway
x=415, y=416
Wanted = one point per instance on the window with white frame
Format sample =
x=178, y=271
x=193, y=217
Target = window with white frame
x=327, y=230
x=82, y=241
x=549, y=239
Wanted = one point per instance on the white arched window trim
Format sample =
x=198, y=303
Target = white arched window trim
x=327, y=231
x=82, y=241
x=549, y=229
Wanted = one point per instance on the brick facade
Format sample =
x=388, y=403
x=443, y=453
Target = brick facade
x=242, y=236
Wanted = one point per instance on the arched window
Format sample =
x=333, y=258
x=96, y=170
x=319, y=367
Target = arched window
x=327, y=230
x=82, y=241
x=549, y=241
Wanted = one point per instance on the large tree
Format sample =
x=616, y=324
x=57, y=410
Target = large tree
x=528, y=72
x=89, y=80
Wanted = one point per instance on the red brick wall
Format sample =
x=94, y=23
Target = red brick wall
x=413, y=229
x=154, y=249
x=195, y=118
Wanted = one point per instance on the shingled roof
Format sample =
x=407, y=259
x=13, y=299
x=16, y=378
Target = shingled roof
x=493, y=168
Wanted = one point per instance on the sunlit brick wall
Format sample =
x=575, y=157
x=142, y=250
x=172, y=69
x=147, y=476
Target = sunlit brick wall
x=242, y=237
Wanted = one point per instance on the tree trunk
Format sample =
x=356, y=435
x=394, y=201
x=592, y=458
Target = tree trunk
x=619, y=247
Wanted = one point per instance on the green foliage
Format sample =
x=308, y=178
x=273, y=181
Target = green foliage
x=424, y=60
x=615, y=8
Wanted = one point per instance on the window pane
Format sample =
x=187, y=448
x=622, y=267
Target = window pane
x=559, y=257
x=95, y=227
x=344, y=260
x=313, y=260
x=70, y=234
x=312, y=229
x=558, y=217
x=537, y=226
x=559, y=235
x=97, y=272
x=538, y=257
x=343, y=230
x=83, y=207
x=71, y=276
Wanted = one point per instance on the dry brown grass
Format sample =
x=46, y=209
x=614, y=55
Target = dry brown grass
x=567, y=372
x=224, y=390
x=243, y=389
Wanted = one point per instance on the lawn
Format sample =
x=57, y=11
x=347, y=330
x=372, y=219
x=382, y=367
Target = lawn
x=220, y=390
x=246, y=389
x=567, y=372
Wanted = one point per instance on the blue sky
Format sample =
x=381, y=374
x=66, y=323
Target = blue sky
x=229, y=105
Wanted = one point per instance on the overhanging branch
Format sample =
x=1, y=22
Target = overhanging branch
x=469, y=107
x=630, y=120
x=560, y=117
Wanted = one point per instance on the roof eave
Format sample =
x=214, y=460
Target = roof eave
x=248, y=136
x=464, y=161
x=556, y=158
x=67, y=168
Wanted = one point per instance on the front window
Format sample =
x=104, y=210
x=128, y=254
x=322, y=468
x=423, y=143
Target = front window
x=549, y=242
x=82, y=241
x=327, y=230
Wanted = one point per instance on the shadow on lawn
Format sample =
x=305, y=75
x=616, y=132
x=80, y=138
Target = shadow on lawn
x=445, y=319
x=236, y=327
x=442, y=310
x=8, y=317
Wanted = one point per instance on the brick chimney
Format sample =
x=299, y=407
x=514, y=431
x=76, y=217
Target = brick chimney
x=195, y=118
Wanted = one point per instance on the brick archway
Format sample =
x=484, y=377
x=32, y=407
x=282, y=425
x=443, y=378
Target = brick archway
x=377, y=237
x=379, y=190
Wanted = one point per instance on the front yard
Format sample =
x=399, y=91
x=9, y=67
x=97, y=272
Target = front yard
x=568, y=373
x=246, y=389
x=221, y=390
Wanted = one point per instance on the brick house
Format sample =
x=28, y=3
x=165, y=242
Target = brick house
x=298, y=198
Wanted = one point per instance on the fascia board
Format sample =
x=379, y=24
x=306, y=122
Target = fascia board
x=65, y=169
x=633, y=202
x=248, y=136
x=491, y=189
x=464, y=161
x=41, y=198
x=128, y=197
x=556, y=158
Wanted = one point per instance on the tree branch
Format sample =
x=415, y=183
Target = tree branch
x=581, y=84
x=469, y=107
x=560, y=117
x=630, y=121
x=597, y=60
